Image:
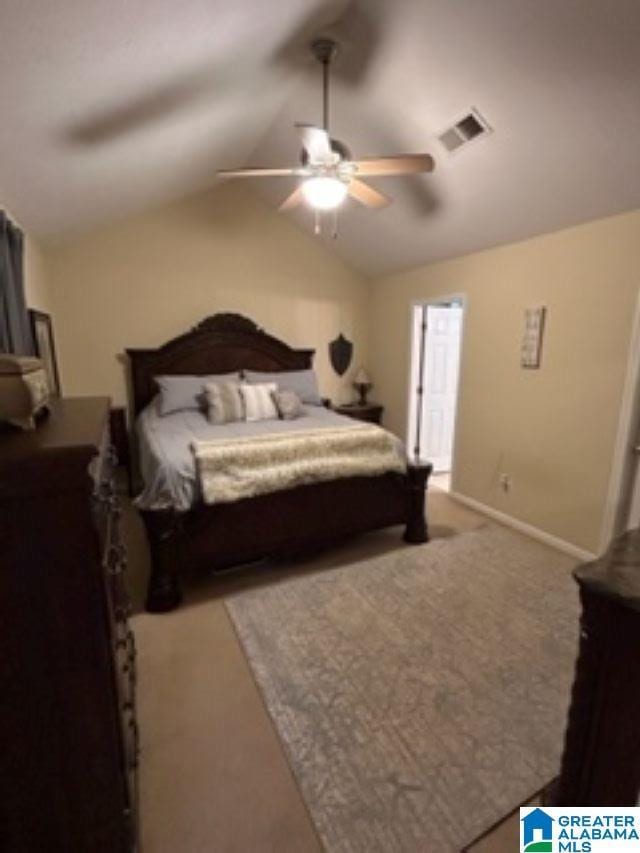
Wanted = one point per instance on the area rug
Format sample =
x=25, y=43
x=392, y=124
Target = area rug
x=420, y=695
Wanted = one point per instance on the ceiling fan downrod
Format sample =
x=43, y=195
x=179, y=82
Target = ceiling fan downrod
x=325, y=51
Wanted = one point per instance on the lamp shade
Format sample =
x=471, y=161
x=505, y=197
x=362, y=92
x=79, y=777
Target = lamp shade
x=362, y=377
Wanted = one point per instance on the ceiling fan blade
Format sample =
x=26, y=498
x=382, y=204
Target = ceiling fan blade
x=317, y=144
x=259, y=173
x=296, y=198
x=401, y=164
x=367, y=195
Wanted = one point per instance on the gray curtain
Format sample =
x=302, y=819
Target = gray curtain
x=15, y=330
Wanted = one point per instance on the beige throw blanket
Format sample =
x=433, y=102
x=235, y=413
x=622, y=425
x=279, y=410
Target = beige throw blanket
x=232, y=469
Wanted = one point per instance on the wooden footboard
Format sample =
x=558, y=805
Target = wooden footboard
x=291, y=521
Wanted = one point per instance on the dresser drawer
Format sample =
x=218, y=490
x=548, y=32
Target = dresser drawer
x=104, y=499
x=105, y=462
x=107, y=515
x=126, y=667
x=59, y=686
x=130, y=734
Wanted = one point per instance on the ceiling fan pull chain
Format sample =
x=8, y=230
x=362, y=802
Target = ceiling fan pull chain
x=316, y=227
x=334, y=232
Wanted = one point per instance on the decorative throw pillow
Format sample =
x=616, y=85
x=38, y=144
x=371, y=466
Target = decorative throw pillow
x=303, y=382
x=258, y=401
x=288, y=404
x=185, y=393
x=224, y=402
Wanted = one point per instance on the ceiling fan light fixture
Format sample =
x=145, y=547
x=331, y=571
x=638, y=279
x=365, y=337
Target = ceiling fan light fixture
x=328, y=172
x=323, y=192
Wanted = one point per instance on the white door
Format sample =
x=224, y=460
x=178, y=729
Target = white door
x=440, y=384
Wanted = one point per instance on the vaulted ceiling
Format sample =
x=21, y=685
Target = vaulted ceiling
x=109, y=108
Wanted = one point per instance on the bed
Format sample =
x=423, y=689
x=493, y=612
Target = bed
x=185, y=533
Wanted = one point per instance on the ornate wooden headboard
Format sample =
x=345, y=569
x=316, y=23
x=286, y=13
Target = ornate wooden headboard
x=219, y=344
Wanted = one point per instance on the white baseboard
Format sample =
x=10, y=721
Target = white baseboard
x=527, y=529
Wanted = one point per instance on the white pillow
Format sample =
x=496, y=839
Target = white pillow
x=258, y=401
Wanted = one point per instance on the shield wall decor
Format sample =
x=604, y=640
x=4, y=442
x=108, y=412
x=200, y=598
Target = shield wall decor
x=340, y=353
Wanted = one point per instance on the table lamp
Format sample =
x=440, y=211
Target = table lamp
x=363, y=384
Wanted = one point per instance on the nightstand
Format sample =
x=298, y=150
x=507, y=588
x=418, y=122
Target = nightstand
x=372, y=412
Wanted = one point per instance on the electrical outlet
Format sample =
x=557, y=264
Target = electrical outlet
x=505, y=482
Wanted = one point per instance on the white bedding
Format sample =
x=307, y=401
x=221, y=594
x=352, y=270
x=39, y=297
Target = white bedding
x=167, y=461
x=237, y=468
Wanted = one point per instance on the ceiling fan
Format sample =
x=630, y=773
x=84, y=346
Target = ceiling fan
x=327, y=170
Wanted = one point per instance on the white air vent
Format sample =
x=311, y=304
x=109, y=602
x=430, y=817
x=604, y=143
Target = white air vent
x=470, y=127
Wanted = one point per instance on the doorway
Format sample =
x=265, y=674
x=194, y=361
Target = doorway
x=434, y=378
x=622, y=509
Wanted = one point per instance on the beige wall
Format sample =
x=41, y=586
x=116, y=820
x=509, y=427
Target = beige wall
x=552, y=429
x=36, y=279
x=145, y=279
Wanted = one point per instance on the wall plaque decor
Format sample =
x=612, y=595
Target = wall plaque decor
x=340, y=354
x=531, y=351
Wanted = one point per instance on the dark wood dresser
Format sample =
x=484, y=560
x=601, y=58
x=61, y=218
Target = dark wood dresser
x=601, y=762
x=68, y=731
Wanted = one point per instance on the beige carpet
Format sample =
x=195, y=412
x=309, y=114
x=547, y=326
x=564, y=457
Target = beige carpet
x=421, y=694
x=213, y=774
